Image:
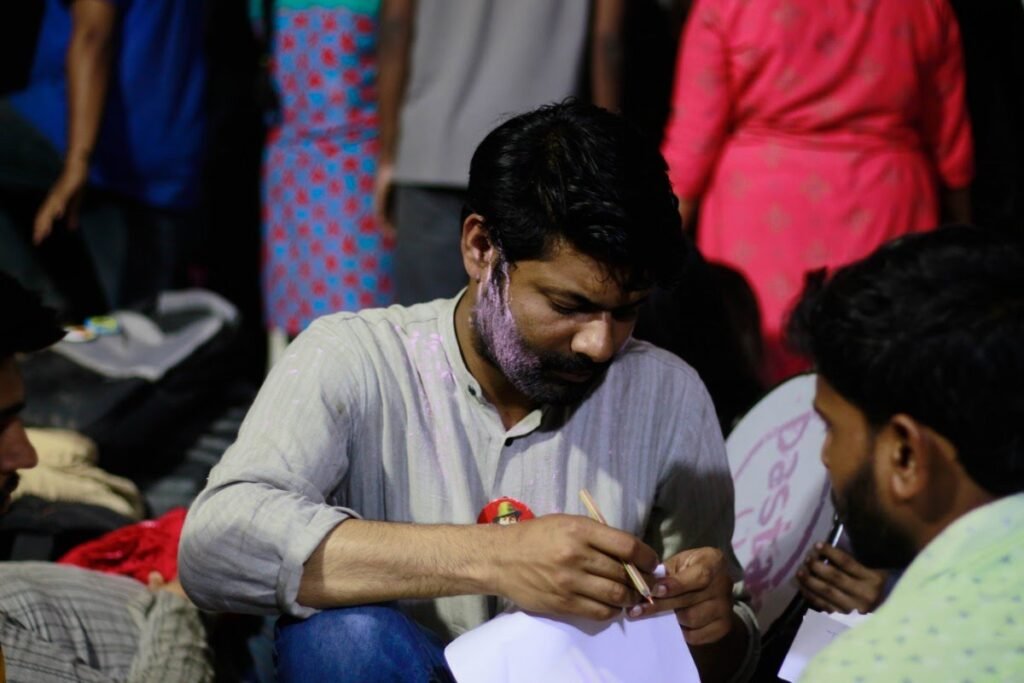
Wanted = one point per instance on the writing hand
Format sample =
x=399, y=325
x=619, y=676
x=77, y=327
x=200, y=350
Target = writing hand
x=842, y=584
x=569, y=565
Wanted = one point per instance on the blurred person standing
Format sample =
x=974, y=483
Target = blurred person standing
x=451, y=71
x=107, y=139
x=809, y=132
x=323, y=250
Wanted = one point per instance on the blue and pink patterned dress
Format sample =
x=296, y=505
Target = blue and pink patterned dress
x=322, y=249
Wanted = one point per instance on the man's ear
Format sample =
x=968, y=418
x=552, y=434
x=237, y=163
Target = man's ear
x=909, y=459
x=478, y=251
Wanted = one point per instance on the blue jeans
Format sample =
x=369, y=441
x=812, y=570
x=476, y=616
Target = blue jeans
x=368, y=644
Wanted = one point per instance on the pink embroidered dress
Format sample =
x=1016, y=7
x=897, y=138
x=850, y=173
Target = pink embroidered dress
x=811, y=131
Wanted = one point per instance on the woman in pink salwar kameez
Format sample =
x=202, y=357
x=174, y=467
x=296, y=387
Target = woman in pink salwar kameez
x=811, y=131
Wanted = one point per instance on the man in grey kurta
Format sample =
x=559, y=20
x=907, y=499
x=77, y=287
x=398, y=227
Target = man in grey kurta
x=381, y=437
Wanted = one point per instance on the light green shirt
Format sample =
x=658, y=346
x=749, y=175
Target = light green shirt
x=957, y=614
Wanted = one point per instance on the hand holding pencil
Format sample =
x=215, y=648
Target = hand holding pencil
x=567, y=565
x=634, y=575
x=697, y=587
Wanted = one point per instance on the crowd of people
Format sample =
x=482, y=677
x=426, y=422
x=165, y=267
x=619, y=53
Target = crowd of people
x=501, y=281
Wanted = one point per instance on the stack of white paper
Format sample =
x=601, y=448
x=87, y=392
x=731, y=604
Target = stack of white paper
x=517, y=647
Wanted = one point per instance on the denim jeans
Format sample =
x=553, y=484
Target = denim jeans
x=364, y=644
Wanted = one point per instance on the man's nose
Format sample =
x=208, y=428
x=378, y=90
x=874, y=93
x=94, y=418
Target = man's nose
x=596, y=339
x=16, y=452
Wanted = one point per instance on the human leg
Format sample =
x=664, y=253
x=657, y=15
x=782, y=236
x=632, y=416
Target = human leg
x=138, y=250
x=428, y=262
x=367, y=643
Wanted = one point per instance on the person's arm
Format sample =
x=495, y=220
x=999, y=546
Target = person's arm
x=606, y=50
x=88, y=73
x=265, y=536
x=947, y=127
x=701, y=107
x=556, y=564
x=833, y=581
x=396, y=26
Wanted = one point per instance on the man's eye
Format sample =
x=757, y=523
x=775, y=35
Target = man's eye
x=563, y=310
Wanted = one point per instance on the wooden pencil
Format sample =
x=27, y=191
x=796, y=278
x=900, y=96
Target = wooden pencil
x=631, y=570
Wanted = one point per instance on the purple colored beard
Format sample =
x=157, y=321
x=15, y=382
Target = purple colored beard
x=497, y=339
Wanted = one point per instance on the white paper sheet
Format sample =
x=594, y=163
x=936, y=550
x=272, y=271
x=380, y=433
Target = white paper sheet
x=816, y=632
x=518, y=647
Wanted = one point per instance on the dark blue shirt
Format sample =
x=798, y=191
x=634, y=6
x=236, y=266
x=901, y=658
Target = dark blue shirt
x=152, y=136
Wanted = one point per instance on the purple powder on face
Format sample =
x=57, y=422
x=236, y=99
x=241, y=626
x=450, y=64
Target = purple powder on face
x=498, y=340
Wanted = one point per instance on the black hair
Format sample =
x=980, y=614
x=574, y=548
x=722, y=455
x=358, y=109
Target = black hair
x=930, y=325
x=575, y=172
x=25, y=324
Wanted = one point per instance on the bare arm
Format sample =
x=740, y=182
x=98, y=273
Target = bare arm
x=396, y=25
x=557, y=564
x=606, y=54
x=88, y=73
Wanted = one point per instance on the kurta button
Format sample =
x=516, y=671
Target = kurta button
x=472, y=391
x=508, y=442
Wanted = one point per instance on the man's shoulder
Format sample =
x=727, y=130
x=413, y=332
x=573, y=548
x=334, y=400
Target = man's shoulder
x=951, y=628
x=380, y=323
x=641, y=359
x=645, y=374
x=27, y=583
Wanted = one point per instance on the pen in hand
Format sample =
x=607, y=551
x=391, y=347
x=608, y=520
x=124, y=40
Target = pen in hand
x=631, y=570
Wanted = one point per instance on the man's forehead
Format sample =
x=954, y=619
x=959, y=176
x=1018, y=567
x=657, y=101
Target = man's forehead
x=567, y=272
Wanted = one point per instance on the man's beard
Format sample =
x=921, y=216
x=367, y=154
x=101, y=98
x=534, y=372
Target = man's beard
x=877, y=541
x=531, y=371
x=6, y=490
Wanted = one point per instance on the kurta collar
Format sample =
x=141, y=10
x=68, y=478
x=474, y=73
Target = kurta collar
x=464, y=379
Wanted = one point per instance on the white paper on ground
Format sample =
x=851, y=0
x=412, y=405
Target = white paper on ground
x=518, y=647
x=816, y=632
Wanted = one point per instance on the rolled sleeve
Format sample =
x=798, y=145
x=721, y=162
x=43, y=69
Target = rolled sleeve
x=273, y=498
x=298, y=551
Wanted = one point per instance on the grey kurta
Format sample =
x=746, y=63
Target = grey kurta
x=375, y=414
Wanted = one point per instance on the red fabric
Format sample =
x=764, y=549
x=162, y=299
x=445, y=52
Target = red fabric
x=134, y=550
x=812, y=131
